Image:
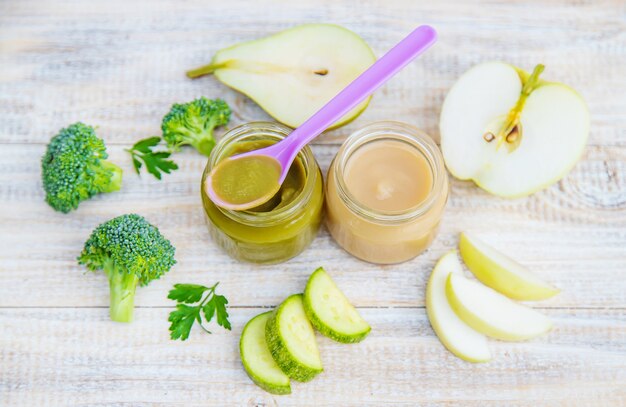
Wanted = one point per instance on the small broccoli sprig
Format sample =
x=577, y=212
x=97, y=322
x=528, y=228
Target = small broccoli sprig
x=74, y=168
x=193, y=123
x=131, y=251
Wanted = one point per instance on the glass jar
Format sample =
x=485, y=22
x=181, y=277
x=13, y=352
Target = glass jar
x=284, y=227
x=378, y=236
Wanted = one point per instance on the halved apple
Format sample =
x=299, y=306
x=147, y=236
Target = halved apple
x=502, y=273
x=491, y=313
x=510, y=132
x=293, y=73
x=453, y=333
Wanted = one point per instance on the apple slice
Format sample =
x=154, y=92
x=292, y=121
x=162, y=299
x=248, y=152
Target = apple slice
x=510, y=132
x=491, y=313
x=293, y=73
x=502, y=273
x=453, y=333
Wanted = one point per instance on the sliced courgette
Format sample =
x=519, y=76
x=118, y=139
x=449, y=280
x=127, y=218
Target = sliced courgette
x=291, y=340
x=257, y=359
x=330, y=312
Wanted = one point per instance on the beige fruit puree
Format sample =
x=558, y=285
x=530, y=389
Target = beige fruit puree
x=386, y=192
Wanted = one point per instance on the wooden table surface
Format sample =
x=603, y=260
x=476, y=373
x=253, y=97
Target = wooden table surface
x=119, y=65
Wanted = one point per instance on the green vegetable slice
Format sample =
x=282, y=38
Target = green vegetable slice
x=291, y=340
x=257, y=359
x=330, y=312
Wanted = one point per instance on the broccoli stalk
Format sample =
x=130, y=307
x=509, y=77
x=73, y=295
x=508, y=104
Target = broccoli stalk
x=193, y=123
x=115, y=180
x=130, y=251
x=204, y=146
x=74, y=168
x=122, y=287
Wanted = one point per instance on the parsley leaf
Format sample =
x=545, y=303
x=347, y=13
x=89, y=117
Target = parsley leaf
x=220, y=307
x=209, y=311
x=155, y=161
x=208, y=305
x=182, y=320
x=187, y=293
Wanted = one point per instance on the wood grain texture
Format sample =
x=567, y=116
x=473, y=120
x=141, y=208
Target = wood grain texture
x=119, y=65
x=48, y=358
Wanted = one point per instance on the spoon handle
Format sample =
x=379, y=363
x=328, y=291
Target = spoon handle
x=363, y=86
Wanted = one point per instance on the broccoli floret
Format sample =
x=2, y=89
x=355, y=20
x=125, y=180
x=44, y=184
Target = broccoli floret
x=130, y=250
x=74, y=168
x=193, y=123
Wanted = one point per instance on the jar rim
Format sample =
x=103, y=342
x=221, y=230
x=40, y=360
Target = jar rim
x=391, y=130
x=270, y=130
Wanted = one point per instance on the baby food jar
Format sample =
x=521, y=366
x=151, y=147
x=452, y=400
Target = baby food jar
x=281, y=228
x=394, y=234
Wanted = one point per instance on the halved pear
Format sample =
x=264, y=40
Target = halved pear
x=510, y=132
x=491, y=313
x=502, y=273
x=293, y=73
x=453, y=333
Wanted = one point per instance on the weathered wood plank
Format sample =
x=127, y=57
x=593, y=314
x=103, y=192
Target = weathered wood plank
x=573, y=234
x=78, y=357
x=119, y=65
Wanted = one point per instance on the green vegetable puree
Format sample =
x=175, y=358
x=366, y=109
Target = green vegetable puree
x=246, y=180
x=276, y=230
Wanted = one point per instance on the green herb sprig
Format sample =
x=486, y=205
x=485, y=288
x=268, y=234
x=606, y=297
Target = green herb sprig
x=209, y=305
x=156, y=161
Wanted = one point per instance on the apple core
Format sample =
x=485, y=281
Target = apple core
x=510, y=132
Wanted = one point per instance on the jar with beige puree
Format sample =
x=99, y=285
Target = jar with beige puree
x=280, y=228
x=386, y=191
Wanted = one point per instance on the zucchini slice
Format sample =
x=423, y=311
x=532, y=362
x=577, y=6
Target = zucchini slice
x=330, y=312
x=291, y=340
x=257, y=359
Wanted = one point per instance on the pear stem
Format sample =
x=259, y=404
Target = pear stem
x=203, y=70
x=511, y=130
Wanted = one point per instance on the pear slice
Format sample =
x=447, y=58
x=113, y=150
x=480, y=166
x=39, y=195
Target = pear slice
x=453, y=333
x=491, y=313
x=502, y=273
x=293, y=73
x=510, y=132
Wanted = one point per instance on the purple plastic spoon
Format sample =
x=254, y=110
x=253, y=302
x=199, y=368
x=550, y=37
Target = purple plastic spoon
x=285, y=151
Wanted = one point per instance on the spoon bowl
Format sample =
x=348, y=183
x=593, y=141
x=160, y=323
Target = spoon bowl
x=263, y=177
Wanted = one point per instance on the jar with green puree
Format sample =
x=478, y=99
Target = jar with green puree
x=282, y=227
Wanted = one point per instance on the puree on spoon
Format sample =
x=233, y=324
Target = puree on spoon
x=243, y=182
x=255, y=177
